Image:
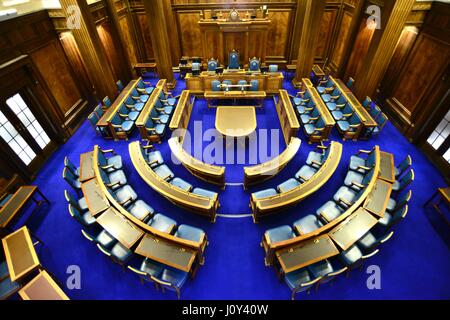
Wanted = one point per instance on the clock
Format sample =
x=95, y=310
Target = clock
x=234, y=15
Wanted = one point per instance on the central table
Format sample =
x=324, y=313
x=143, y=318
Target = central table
x=42, y=287
x=239, y=121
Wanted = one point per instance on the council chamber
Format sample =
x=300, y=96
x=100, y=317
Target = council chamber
x=224, y=150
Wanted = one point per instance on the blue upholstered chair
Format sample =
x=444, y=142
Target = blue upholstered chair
x=288, y=185
x=305, y=173
x=362, y=164
x=369, y=241
x=329, y=211
x=307, y=117
x=254, y=85
x=111, y=163
x=317, y=158
x=182, y=184
x=156, y=130
x=163, y=108
x=189, y=233
x=354, y=258
x=226, y=83
x=399, y=201
x=144, y=87
x=86, y=219
x=93, y=120
x=374, y=111
x=302, y=98
x=390, y=219
x=299, y=281
x=242, y=84
x=99, y=111
x=358, y=181
x=113, y=180
x=119, y=85
x=325, y=271
x=305, y=109
x=215, y=85
x=138, y=96
x=8, y=288
x=159, y=117
x=273, y=68
x=172, y=279
x=79, y=204
x=264, y=193
x=381, y=122
x=205, y=193
x=314, y=127
x=404, y=181
x=233, y=60
x=253, y=64
x=141, y=210
x=167, y=99
x=69, y=164
x=103, y=238
x=162, y=223
x=366, y=102
x=125, y=195
x=126, y=114
x=280, y=233
x=350, y=126
x=343, y=114
x=121, y=125
x=325, y=86
x=331, y=96
x=153, y=158
x=148, y=269
x=118, y=253
x=164, y=172
x=107, y=102
x=337, y=105
x=403, y=166
x=71, y=179
x=350, y=83
x=212, y=65
x=346, y=196
x=133, y=105
x=307, y=224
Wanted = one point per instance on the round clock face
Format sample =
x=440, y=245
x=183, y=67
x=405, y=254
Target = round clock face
x=234, y=15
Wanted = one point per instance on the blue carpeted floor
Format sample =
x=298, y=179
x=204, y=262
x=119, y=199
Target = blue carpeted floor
x=414, y=264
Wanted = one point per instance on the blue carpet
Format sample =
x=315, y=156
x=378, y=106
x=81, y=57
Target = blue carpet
x=414, y=263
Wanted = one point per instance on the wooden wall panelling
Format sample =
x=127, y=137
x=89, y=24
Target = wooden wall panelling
x=279, y=34
x=326, y=32
x=191, y=37
x=111, y=49
x=175, y=49
x=144, y=34
x=127, y=32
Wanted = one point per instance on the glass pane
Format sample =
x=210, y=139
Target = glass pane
x=441, y=126
x=432, y=137
x=445, y=133
x=447, y=155
x=447, y=116
x=437, y=143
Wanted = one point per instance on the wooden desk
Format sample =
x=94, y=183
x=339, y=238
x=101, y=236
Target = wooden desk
x=119, y=227
x=167, y=253
x=287, y=116
x=182, y=113
x=145, y=114
x=353, y=228
x=264, y=171
x=387, y=166
x=21, y=257
x=376, y=202
x=42, y=287
x=141, y=68
x=235, y=95
x=95, y=199
x=444, y=195
x=210, y=173
x=17, y=201
x=86, y=168
x=306, y=253
x=235, y=121
x=317, y=70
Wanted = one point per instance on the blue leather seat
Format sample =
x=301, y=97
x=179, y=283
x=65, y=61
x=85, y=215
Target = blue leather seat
x=394, y=204
x=71, y=166
x=180, y=183
x=298, y=281
x=301, y=110
x=215, y=85
x=362, y=164
x=153, y=128
x=107, y=102
x=189, y=233
x=369, y=241
x=288, y=185
x=120, y=253
x=349, y=125
x=164, y=172
x=176, y=278
x=404, y=181
x=329, y=211
x=148, y=269
x=389, y=219
x=79, y=204
x=337, y=105
x=343, y=114
x=212, y=65
x=279, y=234
x=121, y=125
x=233, y=60
x=306, y=118
x=332, y=96
x=358, y=181
x=165, y=109
x=351, y=256
x=403, y=166
x=264, y=193
x=126, y=114
x=167, y=99
x=85, y=218
x=141, y=210
x=125, y=195
x=130, y=103
x=273, y=68
x=254, y=85
x=111, y=163
x=159, y=118
x=305, y=173
x=138, y=96
x=162, y=223
x=345, y=195
x=103, y=238
x=71, y=179
x=321, y=268
x=304, y=100
x=8, y=288
x=205, y=193
x=144, y=89
x=254, y=64
x=316, y=159
x=113, y=180
x=154, y=158
x=325, y=85
x=307, y=224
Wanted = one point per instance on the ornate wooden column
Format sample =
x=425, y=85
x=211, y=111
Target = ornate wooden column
x=394, y=15
x=310, y=12
x=91, y=49
x=160, y=35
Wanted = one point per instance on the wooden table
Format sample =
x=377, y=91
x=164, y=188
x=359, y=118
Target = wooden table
x=387, y=167
x=42, y=287
x=377, y=201
x=86, y=167
x=119, y=227
x=235, y=121
x=306, y=253
x=17, y=201
x=353, y=228
x=235, y=95
x=166, y=252
x=95, y=199
x=444, y=195
x=141, y=68
x=21, y=257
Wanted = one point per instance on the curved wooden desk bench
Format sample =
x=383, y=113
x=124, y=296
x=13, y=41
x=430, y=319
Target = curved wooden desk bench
x=264, y=171
x=210, y=173
x=271, y=248
x=166, y=239
x=272, y=204
x=187, y=200
x=145, y=114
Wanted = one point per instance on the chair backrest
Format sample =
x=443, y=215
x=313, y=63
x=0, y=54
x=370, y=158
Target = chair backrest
x=93, y=119
x=254, y=64
x=149, y=123
x=315, y=113
x=404, y=165
x=242, y=83
x=368, y=176
x=254, y=85
x=195, y=66
x=354, y=119
x=406, y=179
x=273, y=68
x=366, y=102
x=75, y=213
x=70, y=165
x=374, y=111
x=116, y=120
x=336, y=92
x=212, y=65
x=404, y=198
x=350, y=82
x=104, y=176
x=99, y=111
x=135, y=93
x=70, y=199
x=69, y=177
x=123, y=109
x=370, y=162
x=215, y=85
x=107, y=102
x=102, y=161
x=233, y=60
x=119, y=85
x=398, y=215
x=381, y=120
x=319, y=123
x=347, y=109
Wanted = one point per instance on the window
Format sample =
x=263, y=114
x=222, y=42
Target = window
x=21, y=110
x=15, y=140
x=442, y=131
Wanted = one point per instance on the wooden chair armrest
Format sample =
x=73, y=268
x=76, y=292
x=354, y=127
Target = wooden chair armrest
x=107, y=167
x=125, y=201
x=361, y=186
x=103, y=250
x=316, y=163
x=118, y=126
x=164, y=283
x=142, y=273
x=324, y=216
x=310, y=283
x=152, y=162
x=355, y=125
x=338, y=272
x=347, y=114
x=150, y=129
x=348, y=204
x=364, y=151
x=364, y=168
x=303, y=178
x=387, y=237
x=108, y=150
x=110, y=185
x=370, y=254
x=340, y=105
x=150, y=146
